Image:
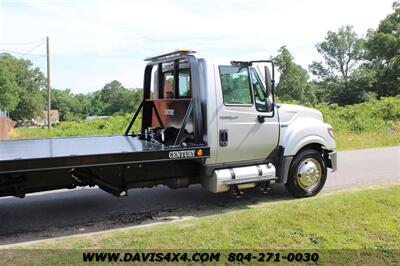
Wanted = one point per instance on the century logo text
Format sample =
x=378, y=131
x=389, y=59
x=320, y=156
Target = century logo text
x=181, y=154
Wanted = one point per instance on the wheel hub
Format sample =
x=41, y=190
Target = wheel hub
x=309, y=174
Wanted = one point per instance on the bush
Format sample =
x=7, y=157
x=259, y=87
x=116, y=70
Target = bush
x=107, y=126
x=374, y=115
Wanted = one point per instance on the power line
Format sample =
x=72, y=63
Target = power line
x=28, y=52
x=14, y=52
x=22, y=43
x=34, y=48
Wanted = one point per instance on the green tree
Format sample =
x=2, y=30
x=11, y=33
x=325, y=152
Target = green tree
x=28, y=82
x=74, y=106
x=118, y=99
x=65, y=102
x=293, y=81
x=9, y=90
x=131, y=100
x=84, y=108
x=112, y=96
x=383, y=52
x=96, y=103
x=342, y=52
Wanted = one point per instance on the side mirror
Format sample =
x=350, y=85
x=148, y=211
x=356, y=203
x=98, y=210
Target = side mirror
x=269, y=87
x=268, y=81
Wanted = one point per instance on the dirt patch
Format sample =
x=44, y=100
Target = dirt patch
x=111, y=222
x=14, y=134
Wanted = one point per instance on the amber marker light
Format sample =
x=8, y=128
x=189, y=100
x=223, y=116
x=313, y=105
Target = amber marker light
x=200, y=152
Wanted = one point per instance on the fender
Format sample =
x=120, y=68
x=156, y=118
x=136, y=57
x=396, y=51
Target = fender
x=304, y=131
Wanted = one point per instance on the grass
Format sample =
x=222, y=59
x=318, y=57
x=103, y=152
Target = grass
x=367, y=219
x=365, y=140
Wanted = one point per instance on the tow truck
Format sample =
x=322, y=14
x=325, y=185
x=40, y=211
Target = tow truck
x=202, y=122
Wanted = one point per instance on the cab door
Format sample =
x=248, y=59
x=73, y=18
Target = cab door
x=242, y=135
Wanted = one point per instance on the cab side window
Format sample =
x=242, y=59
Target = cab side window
x=184, y=85
x=235, y=83
x=259, y=91
x=169, y=92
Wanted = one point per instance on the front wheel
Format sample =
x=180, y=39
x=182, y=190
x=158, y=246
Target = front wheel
x=307, y=174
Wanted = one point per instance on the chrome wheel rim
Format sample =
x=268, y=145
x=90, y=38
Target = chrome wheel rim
x=309, y=174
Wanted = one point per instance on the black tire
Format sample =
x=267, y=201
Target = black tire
x=294, y=182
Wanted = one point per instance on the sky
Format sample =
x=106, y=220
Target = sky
x=95, y=42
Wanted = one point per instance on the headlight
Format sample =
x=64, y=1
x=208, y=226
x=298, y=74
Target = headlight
x=330, y=131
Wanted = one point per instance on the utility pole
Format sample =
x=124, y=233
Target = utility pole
x=48, y=85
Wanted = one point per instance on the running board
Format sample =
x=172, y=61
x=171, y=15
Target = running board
x=248, y=180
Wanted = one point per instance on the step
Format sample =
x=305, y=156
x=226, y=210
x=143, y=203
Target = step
x=247, y=180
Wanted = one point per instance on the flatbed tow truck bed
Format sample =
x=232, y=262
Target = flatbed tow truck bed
x=58, y=153
x=114, y=163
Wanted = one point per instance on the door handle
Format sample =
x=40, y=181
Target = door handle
x=223, y=137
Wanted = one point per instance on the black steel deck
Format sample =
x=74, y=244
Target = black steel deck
x=59, y=153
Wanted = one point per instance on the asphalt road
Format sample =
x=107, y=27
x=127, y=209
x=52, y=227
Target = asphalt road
x=63, y=213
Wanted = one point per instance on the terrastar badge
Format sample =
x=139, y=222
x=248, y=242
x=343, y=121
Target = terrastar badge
x=181, y=154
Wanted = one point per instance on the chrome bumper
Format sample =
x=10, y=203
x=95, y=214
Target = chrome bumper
x=333, y=160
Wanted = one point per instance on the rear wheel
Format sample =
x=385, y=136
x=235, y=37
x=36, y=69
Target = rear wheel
x=307, y=174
